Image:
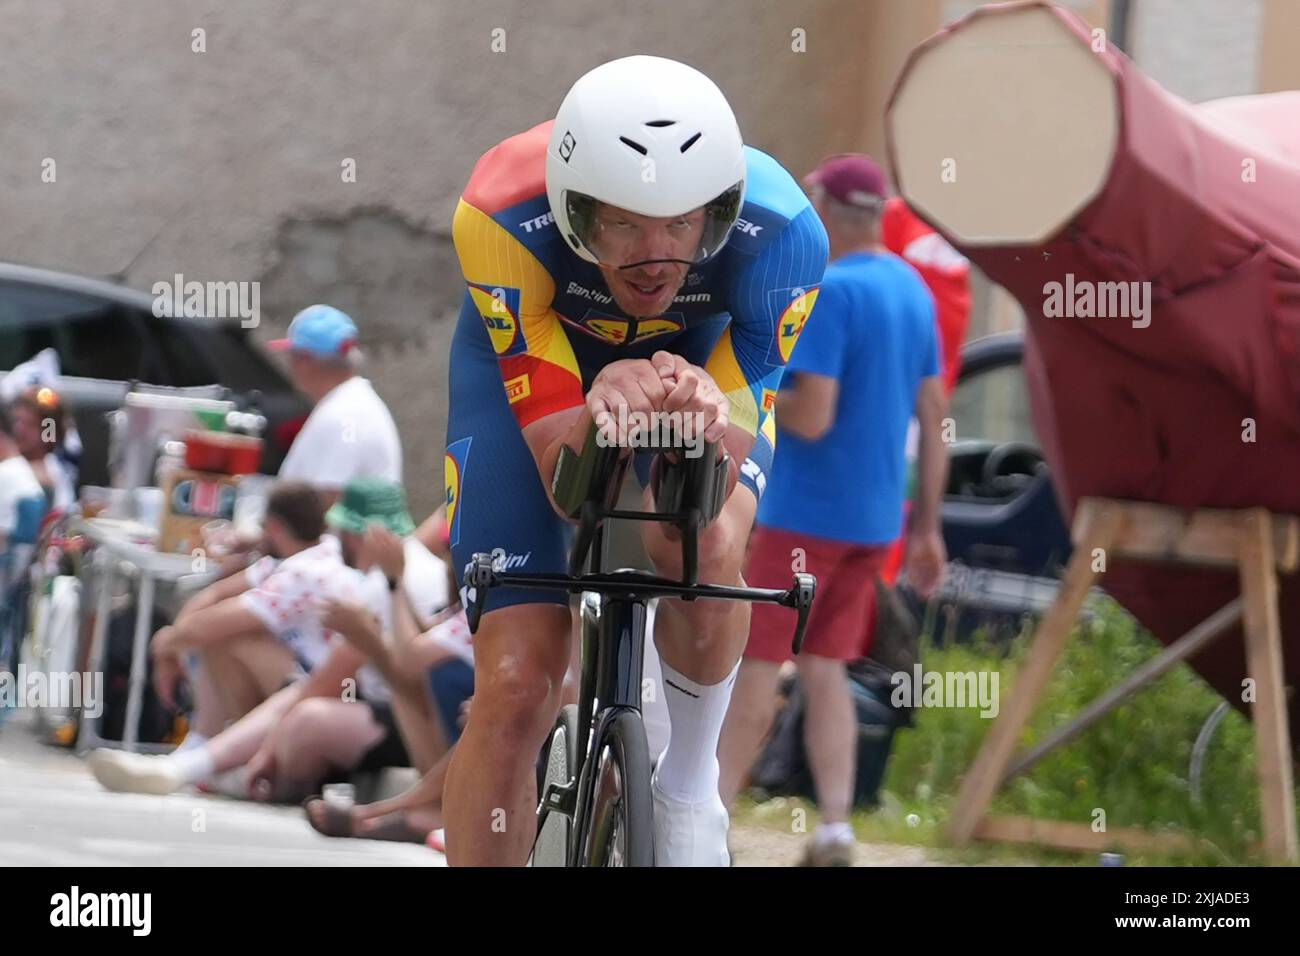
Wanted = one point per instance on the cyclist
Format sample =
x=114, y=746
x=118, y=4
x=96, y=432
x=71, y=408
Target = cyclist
x=633, y=256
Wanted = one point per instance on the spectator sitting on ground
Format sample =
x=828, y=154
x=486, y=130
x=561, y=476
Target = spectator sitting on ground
x=445, y=654
x=314, y=728
x=254, y=632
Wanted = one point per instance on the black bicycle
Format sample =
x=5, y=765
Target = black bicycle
x=595, y=806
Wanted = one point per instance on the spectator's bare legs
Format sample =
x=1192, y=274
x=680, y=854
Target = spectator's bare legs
x=316, y=737
x=520, y=655
x=749, y=719
x=830, y=729
x=237, y=744
x=418, y=810
x=210, y=716
x=243, y=673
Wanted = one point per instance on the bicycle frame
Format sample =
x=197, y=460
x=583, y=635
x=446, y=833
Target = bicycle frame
x=614, y=608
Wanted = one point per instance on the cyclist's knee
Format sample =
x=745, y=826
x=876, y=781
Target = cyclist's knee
x=721, y=548
x=519, y=673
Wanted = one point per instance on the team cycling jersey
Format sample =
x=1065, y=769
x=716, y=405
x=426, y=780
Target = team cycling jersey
x=553, y=324
x=540, y=319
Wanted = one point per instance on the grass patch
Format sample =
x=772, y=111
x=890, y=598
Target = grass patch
x=1133, y=765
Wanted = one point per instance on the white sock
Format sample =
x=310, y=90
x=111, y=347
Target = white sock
x=833, y=833
x=191, y=765
x=688, y=769
x=192, y=739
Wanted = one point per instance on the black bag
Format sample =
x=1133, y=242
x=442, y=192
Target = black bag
x=155, y=720
x=782, y=767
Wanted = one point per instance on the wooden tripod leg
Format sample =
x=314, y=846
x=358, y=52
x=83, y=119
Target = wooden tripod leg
x=1269, y=709
x=1097, y=525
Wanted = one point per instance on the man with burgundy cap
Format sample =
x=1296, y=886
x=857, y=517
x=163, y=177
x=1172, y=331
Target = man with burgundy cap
x=867, y=361
x=350, y=432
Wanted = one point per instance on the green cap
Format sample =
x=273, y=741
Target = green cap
x=368, y=501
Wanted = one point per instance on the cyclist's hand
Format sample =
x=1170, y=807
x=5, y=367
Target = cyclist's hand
x=693, y=391
x=623, y=389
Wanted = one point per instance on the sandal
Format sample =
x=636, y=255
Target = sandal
x=338, y=822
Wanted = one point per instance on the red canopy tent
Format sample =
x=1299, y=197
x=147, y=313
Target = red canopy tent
x=1086, y=190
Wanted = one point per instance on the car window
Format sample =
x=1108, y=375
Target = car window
x=95, y=338
x=993, y=405
x=205, y=352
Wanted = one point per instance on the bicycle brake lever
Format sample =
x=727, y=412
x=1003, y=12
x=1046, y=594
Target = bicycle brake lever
x=800, y=597
x=479, y=576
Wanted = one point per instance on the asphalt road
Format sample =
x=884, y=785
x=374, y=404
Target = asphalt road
x=54, y=813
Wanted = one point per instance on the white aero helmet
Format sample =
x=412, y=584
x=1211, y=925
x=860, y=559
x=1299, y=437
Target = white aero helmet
x=649, y=135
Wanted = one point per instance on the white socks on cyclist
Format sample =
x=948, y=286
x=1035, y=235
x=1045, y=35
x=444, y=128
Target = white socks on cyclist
x=688, y=768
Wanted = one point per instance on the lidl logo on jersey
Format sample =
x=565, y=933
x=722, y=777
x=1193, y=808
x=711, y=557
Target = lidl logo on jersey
x=794, y=306
x=649, y=328
x=517, y=388
x=453, y=471
x=609, y=329
x=499, y=307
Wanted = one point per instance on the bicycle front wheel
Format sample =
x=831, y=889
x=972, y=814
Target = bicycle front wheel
x=561, y=755
x=621, y=819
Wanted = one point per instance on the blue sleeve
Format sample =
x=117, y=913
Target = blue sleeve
x=824, y=341
x=771, y=296
x=929, y=343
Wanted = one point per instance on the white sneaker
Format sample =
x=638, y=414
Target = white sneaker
x=133, y=773
x=689, y=834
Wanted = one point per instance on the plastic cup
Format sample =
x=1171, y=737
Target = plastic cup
x=340, y=795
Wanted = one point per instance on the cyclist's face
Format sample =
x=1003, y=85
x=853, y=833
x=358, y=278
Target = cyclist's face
x=646, y=284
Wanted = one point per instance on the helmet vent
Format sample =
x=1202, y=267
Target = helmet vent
x=661, y=123
x=634, y=144
x=690, y=142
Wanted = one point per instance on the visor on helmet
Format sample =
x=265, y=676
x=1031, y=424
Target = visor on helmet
x=614, y=238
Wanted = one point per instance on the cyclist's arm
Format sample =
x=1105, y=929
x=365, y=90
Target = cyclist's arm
x=771, y=297
x=807, y=405
x=512, y=292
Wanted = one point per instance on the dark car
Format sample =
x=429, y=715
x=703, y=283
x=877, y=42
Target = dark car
x=1006, y=540
x=108, y=337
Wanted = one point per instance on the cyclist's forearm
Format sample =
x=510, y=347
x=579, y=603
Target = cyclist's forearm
x=547, y=435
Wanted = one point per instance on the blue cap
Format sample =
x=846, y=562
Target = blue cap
x=321, y=330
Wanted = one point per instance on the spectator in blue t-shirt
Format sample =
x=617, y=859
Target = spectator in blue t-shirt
x=866, y=362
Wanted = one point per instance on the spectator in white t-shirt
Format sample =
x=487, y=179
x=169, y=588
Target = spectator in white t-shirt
x=350, y=432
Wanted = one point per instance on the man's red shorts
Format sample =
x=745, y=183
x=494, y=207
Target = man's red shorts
x=845, y=606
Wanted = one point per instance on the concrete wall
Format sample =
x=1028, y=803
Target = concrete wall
x=226, y=164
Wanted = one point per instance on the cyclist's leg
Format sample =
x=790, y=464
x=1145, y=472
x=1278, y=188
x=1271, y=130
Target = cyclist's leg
x=496, y=500
x=700, y=644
